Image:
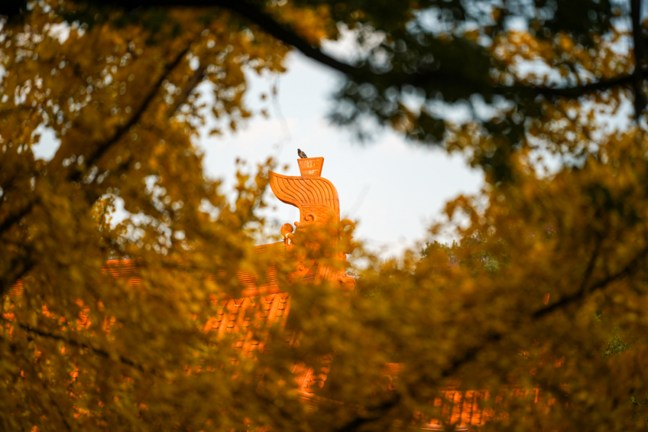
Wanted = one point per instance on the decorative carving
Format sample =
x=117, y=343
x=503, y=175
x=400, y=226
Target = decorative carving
x=318, y=204
x=287, y=233
x=314, y=196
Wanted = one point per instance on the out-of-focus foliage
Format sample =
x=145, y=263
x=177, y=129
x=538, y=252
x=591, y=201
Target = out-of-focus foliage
x=545, y=287
x=118, y=90
x=515, y=73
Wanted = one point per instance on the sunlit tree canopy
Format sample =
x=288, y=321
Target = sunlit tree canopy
x=121, y=261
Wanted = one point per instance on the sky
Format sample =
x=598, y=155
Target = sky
x=393, y=189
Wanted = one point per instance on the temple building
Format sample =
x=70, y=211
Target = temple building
x=265, y=303
x=318, y=204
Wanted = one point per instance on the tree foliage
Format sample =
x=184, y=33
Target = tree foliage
x=543, y=289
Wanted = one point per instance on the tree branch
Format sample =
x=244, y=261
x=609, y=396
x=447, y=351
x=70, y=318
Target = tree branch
x=77, y=344
x=363, y=74
x=585, y=289
x=375, y=412
x=122, y=130
x=492, y=337
x=571, y=92
x=631, y=267
x=495, y=336
x=13, y=9
x=139, y=112
x=638, y=51
x=252, y=13
x=17, y=216
x=20, y=267
x=191, y=84
x=285, y=34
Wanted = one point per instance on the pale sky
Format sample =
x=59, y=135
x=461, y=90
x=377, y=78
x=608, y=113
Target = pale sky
x=392, y=188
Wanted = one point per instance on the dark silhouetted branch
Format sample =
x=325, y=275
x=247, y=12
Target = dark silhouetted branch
x=639, y=53
x=256, y=15
x=77, y=344
x=134, y=119
x=632, y=266
x=374, y=413
x=16, y=216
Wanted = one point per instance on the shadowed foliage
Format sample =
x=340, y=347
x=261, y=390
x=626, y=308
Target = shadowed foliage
x=120, y=259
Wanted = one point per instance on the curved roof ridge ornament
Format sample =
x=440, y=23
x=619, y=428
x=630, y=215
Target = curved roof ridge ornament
x=314, y=196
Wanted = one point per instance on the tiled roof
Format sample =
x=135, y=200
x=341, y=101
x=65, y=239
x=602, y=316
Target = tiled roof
x=467, y=410
x=463, y=409
x=262, y=305
x=123, y=268
x=242, y=316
